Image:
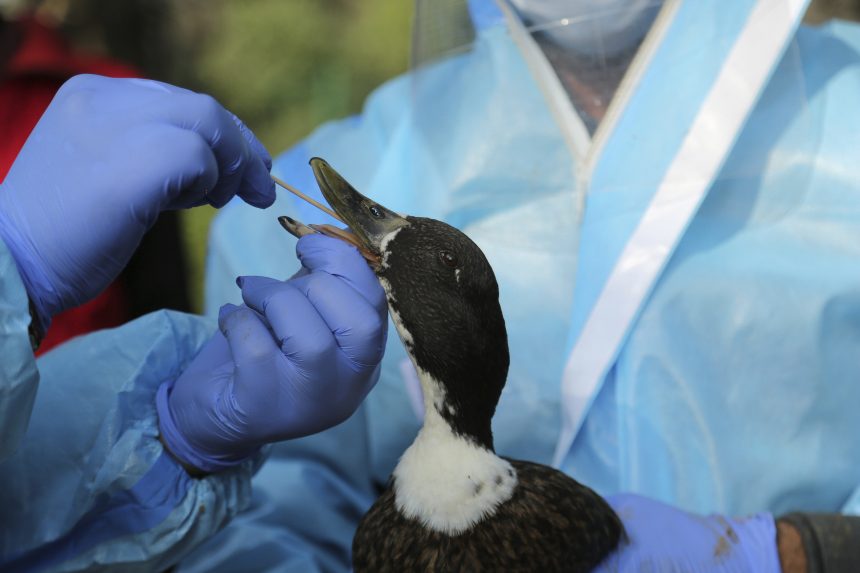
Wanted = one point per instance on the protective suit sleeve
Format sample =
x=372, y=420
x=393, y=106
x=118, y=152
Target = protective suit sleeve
x=307, y=501
x=19, y=378
x=91, y=487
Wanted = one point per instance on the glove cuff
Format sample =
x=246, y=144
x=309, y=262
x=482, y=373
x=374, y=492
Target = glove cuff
x=176, y=443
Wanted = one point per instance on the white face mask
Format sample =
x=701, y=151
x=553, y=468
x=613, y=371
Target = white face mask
x=590, y=27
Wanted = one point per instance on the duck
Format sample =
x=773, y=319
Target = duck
x=452, y=503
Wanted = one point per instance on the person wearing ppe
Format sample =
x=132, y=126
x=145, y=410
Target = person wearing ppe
x=681, y=291
x=125, y=448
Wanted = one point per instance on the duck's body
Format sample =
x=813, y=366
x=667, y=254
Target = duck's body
x=453, y=504
x=550, y=523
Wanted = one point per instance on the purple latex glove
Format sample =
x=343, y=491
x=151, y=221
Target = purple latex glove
x=105, y=159
x=297, y=358
x=663, y=538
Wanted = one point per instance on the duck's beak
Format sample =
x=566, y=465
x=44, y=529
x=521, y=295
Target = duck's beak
x=367, y=219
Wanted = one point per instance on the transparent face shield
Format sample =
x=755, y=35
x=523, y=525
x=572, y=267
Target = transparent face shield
x=587, y=45
x=588, y=56
x=645, y=93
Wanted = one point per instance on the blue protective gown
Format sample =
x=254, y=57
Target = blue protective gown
x=731, y=386
x=19, y=378
x=85, y=484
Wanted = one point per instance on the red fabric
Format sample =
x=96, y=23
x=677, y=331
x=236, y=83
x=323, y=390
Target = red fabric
x=31, y=77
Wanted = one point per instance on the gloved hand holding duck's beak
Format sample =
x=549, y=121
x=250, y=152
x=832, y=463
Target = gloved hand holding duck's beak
x=297, y=358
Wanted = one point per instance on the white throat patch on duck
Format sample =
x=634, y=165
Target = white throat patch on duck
x=447, y=481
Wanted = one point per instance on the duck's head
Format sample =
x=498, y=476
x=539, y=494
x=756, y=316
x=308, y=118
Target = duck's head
x=443, y=298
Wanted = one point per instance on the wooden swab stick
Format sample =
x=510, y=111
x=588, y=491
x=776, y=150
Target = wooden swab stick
x=301, y=195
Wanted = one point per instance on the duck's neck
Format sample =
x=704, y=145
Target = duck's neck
x=450, y=478
x=468, y=371
x=462, y=416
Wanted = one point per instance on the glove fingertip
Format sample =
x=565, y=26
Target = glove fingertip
x=224, y=312
x=256, y=145
x=251, y=282
x=257, y=188
x=256, y=290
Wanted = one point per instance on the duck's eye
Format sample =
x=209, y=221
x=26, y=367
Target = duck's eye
x=376, y=211
x=449, y=259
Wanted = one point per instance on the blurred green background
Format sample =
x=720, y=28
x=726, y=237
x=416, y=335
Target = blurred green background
x=283, y=66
